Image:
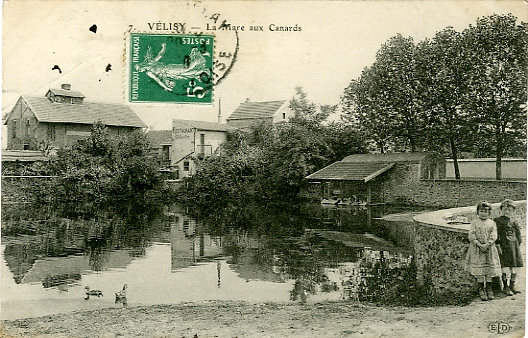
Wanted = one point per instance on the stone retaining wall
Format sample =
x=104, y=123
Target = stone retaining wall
x=451, y=193
x=440, y=248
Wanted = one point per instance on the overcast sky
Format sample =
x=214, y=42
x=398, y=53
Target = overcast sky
x=337, y=40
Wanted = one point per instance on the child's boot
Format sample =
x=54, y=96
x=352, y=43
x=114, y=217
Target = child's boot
x=489, y=291
x=512, y=285
x=506, y=290
x=482, y=292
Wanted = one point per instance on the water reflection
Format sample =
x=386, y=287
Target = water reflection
x=308, y=254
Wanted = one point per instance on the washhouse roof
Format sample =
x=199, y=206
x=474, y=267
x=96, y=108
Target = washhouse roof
x=351, y=171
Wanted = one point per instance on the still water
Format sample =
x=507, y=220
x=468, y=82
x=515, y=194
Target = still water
x=312, y=254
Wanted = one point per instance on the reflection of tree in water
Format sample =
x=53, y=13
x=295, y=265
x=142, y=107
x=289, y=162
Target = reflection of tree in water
x=275, y=240
x=61, y=237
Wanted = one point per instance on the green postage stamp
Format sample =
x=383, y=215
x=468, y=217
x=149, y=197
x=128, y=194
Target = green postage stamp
x=170, y=68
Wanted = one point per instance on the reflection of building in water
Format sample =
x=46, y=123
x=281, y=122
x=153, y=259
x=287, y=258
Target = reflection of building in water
x=254, y=264
x=190, y=244
x=54, y=271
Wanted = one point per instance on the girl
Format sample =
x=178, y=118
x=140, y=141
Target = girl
x=482, y=257
x=508, y=243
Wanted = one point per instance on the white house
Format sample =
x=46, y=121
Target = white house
x=193, y=141
x=250, y=113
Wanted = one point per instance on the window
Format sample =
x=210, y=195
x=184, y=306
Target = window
x=202, y=143
x=14, y=128
x=185, y=165
x=51, y=132
x=26, y=131
x=284, y=116
x=165, y=153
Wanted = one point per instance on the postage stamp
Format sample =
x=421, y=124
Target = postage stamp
x=171, y=68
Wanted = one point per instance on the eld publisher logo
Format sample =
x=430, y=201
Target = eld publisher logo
x=499, y=328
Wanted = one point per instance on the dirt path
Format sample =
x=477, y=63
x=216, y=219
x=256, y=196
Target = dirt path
x=237, y=319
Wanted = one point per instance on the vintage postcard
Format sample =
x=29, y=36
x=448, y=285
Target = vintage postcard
x=263, y=168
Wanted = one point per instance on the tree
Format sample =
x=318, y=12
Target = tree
x=362, y=110
x=105, y=171
x=498, y=82
x=443, y=67
x=385, y=99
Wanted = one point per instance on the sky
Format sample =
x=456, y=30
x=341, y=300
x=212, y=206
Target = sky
x=337, y=40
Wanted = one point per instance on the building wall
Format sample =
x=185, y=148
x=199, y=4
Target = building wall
x=440, y=249
x=186, y=146
x=485, y=168
x=247, y=123
x=453, y=193
x=21, y=128
x=283, y=114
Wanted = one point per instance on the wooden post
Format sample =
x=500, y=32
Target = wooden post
x=369, y=194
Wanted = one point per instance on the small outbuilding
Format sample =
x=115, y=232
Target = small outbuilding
x=374, y=178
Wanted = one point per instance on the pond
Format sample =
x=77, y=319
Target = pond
x=310, y=254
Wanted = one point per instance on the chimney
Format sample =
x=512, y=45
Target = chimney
x=66, y=86
x=219, y=110
x=247, y=99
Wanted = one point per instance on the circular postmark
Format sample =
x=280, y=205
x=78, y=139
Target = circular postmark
x=226, y=40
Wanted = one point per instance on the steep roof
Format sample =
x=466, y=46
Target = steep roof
x=202, y=125
x=159, y=137
x=256, y=110
x=351, y=171
x=86, y=113
x=415, y=157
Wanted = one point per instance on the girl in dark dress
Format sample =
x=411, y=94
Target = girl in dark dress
x=508, y=242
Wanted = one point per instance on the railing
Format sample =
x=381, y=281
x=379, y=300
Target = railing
x=204, y=150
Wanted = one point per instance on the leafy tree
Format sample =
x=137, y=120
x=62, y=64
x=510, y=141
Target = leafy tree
x=398, y=89
x=363, y=111
x=498, y=82
x=385, y=100
x=443, y=65
x=105, y=172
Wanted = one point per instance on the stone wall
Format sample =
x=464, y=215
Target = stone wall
x=440, y=248
x=452, y=193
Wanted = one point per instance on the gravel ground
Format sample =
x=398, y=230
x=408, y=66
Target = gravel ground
x=239, y=319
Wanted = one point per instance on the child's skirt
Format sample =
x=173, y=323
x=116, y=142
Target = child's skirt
x=480, y=263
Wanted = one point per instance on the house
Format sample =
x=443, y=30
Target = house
x=161, y=145
x=375, y=178
x=62, y=117
x=251, y=113
x=192, y=141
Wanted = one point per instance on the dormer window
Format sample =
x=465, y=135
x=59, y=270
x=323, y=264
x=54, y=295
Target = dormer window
x=65, y=95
